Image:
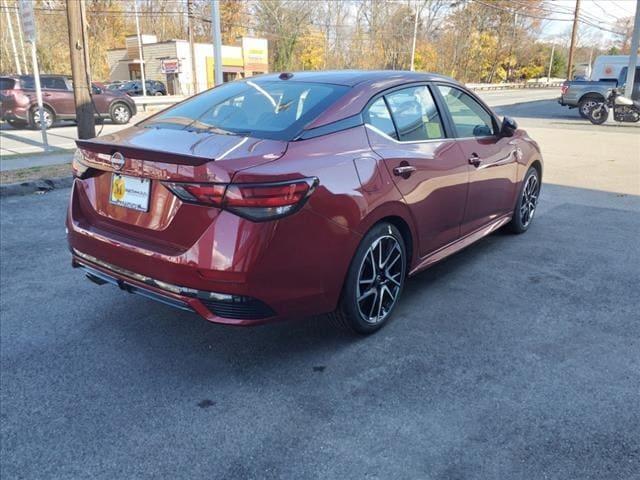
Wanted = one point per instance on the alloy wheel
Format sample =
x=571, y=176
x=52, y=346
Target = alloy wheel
x=121, y=113
x=48, y=120
x=380, y=279
x=529, y=200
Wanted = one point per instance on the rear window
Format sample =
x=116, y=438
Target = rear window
x=276, y=110
x=7, y=83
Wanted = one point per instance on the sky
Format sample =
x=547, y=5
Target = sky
x=603, y=12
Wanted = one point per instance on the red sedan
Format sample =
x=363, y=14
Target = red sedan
x=295, y=194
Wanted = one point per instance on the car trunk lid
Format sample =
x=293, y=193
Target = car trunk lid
x=146, y=157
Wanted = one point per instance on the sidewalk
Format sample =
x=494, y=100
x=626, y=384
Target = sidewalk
x=35, y=160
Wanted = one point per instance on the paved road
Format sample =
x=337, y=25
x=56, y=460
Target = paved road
x=519, y=358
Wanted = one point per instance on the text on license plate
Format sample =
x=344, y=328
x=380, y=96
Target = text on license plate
x=130, y=192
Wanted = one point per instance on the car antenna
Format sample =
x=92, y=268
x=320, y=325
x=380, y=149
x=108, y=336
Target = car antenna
x=285, y=76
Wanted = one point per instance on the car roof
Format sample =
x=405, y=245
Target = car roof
x=353, y=77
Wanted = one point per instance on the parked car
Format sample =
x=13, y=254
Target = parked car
x=114, y=85
x=134, y=88
x=296, y=194
x=18, y=105
x=585, y=95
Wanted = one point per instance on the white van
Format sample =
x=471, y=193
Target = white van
x=607, y=67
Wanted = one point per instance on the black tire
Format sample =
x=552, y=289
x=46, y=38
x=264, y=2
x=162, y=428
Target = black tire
x=586, y=104
x=598, y=116
x=158, y=94
x=120, y=113
x=387, y=280
x=522, y=213
x=34, y=115
x=17, y=124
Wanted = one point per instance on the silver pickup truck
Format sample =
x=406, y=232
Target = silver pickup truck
x=583, y=95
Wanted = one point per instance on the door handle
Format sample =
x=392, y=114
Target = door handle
x=474, y=160
x=404, y=171
x=46, y=94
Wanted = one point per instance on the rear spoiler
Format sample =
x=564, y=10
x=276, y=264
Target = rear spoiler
x=142, y=153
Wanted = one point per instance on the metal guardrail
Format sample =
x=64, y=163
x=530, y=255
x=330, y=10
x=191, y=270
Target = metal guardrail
x=160, y=101
x=510, y=86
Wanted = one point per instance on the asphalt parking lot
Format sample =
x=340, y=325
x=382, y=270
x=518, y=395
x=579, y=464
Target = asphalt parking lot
x=518, y=358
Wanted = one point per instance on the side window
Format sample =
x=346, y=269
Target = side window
x=415, y=114
x=54, y=83
x=46, y=82
x=378, y=116
x=469, y=117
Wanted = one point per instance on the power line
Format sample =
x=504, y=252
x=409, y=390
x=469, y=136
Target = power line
x=622, y=8
x=514, y=12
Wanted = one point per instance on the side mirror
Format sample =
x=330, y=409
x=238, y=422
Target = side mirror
x=509, y=126
x=97, y=90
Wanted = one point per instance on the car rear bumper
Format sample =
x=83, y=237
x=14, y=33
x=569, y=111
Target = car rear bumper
x=215, y=307
x=235, y=271
x=8, y=112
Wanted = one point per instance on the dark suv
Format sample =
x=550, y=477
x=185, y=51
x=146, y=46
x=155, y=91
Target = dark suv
x=18, y=105
x=134, y=88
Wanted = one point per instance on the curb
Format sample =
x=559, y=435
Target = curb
x=35, y=186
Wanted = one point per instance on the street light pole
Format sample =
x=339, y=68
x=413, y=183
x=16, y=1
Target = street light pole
x=415, y=34
x=553, y=49
x=192, y=50
x=144, y=83
x=633, y=54
x=21, y=39
x=13, y=40
x=217, y=42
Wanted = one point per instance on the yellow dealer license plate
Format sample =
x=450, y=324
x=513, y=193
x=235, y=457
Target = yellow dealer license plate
x=130, y=192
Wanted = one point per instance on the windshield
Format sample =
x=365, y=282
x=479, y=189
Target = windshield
x=265, y=109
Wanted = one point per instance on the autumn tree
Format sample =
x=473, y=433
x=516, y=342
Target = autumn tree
x=284, y=22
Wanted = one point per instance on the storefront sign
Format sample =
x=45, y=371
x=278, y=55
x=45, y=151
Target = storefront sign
x=256, y=54
x=170, y=65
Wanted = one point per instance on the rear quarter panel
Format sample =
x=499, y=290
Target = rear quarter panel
x=325, y=234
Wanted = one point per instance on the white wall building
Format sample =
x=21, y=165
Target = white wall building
x=170, y=62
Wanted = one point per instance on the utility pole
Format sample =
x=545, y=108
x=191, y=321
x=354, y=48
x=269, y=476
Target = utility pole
x=142, y=78
x=574, y=32
x=217, y=42
x=79, y=70
x=192, y=50
x=13, y=40
x=553, y=49
x=21, y=38
x=633, y=54
x=415, y=34
x=85, y=42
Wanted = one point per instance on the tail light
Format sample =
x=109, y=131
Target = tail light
x=564, y=88
x=78, y=166
x=255, y=201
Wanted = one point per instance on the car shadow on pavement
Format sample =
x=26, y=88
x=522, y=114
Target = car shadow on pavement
x=185, y=337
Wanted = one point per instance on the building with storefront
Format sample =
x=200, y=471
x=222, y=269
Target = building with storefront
x=170, y=62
